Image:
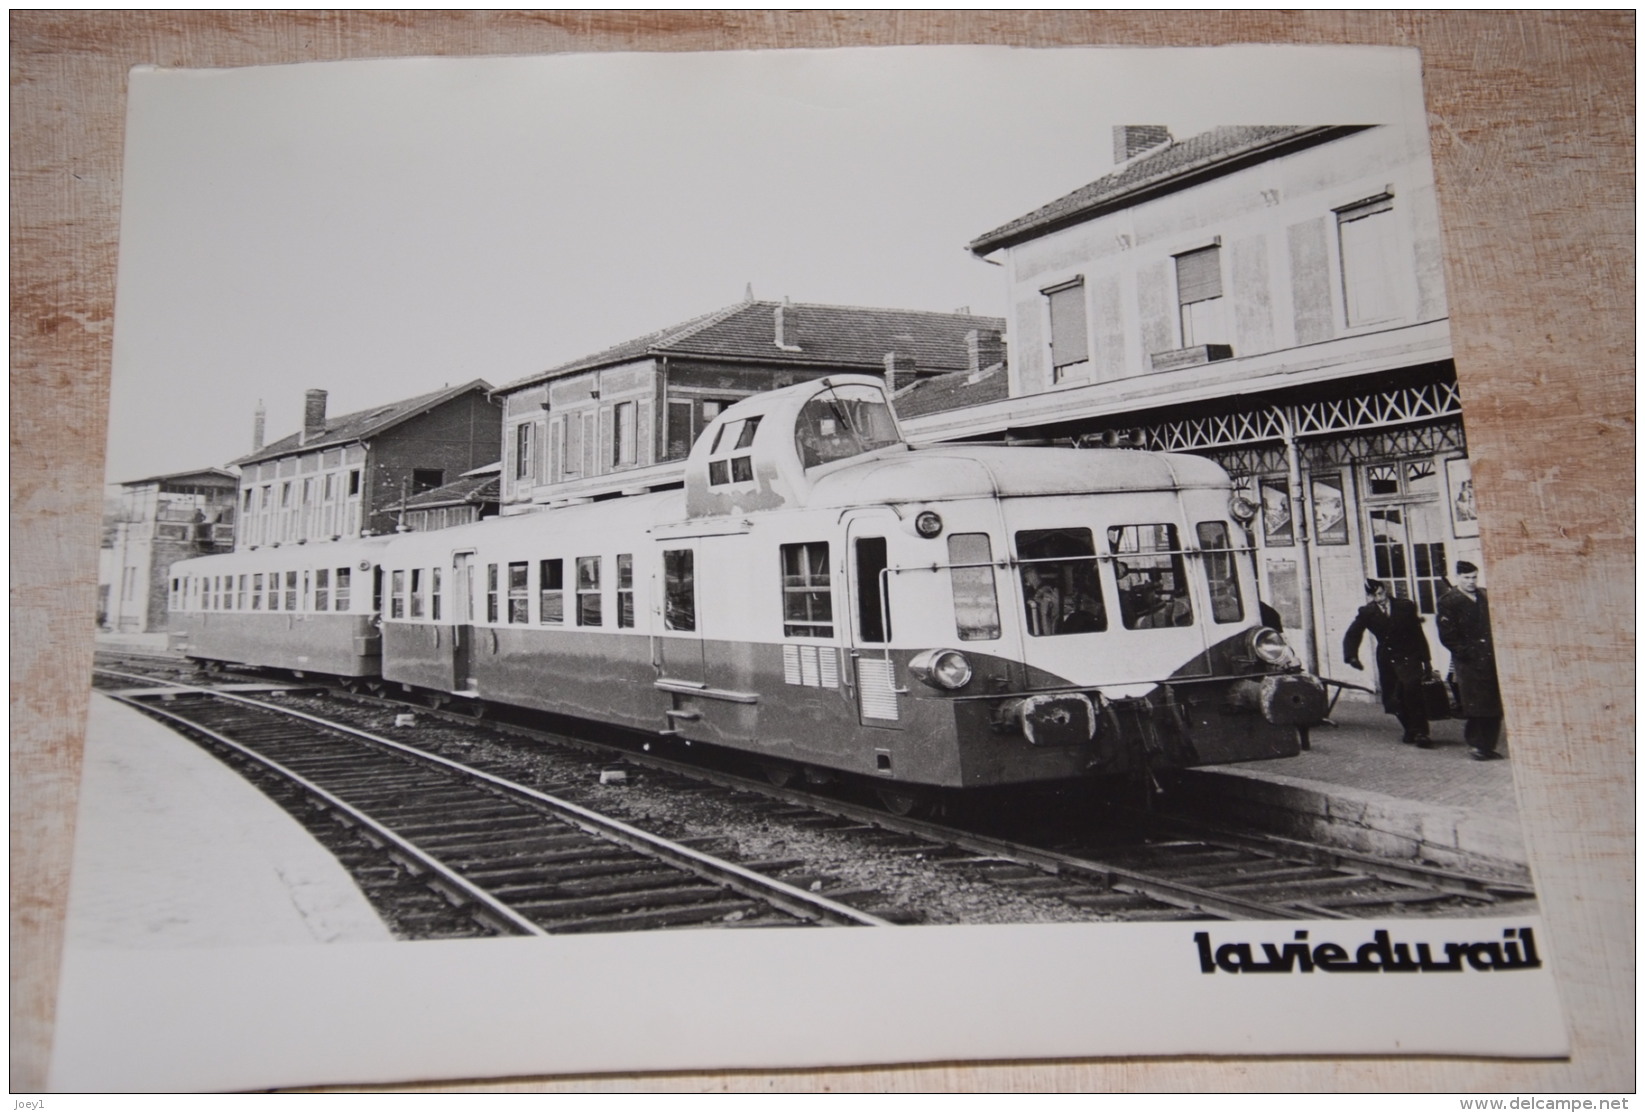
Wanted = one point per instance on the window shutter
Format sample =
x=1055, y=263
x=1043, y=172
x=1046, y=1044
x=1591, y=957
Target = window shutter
x=1199, y=275
x=1068, y=344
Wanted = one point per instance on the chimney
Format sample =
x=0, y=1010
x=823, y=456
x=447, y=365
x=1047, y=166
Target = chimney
x=259, y=423
x=897, y=365
x=983, y=349
x=314, y=415
x=1131, y=140
x=787, y=326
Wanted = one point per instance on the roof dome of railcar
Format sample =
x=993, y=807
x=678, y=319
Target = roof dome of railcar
x=987, y=471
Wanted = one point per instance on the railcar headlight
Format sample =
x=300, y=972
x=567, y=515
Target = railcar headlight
x=928, y=523
x=1269, y=646
x=1243, y=509
x=941, y=668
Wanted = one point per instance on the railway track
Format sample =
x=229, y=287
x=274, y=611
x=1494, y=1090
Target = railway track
x=1144, y=868
x=515, y=859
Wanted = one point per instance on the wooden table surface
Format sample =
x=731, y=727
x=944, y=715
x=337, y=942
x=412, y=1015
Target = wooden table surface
x=1532, y=120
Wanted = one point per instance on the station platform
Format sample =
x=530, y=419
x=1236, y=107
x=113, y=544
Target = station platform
x=174, y=849
x=1359, y=787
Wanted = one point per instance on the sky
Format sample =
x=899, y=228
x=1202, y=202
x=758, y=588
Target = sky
x=381, y=229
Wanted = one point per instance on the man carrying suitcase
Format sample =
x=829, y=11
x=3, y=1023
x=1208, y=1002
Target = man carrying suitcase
x=1403, y=658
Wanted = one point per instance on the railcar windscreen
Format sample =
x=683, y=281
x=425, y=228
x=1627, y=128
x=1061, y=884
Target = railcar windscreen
x=842, y=422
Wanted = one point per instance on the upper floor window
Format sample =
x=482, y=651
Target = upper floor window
x=625, y=441
x=1070, y=343
x=525, y=459
x=1367, y=236
x=426, y=479
x=1201, y=306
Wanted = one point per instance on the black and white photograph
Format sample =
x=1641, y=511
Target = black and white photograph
x=601, y=550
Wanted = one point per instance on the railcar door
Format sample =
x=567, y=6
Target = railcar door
x=867, y=621
x=462, y=620
x=679, y=641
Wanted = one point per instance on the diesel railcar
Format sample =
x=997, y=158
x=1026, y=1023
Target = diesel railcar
x=827, y=597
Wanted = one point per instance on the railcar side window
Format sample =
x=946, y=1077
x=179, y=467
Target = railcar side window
x=397, y=594
x=341, y=601
x=1058, y=569
x=416, y=593
x=291, y=591
x=1220, y=574
x=588, y=591
x=434, y=593
x=551, y=591
x=519, y=592
x=308, y=591
x=256, y=591
x=274, y=591
x=873, y=613
x=1153, y=584
x=242, y=591
x=322, y=589
x=491, y=593
x=625, y=589
x=808, y=601
x=679, y=590
x=971, y=575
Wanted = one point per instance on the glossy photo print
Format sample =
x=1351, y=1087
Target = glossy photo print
x=598, y=544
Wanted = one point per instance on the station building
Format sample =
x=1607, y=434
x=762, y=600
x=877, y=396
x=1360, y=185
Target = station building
x=623, y=420
x=355, y=475
x=161, y=519
x=1270, y=297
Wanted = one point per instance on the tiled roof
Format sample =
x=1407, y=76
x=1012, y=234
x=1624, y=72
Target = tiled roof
x=363, y=424
x=1169, y=167
x=468, y=489
x=837, y=335
x=951, y=392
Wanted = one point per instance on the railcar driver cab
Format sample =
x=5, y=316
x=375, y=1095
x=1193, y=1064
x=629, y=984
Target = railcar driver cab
x=766, y=451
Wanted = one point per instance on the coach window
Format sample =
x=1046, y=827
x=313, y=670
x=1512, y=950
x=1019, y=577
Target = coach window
x=971, y=574
x=341, y=600
x=491, y=593
x=274, y=591
x=625, y=590
x=551, y=591
x=679, y=590
x=873, y=611
x=322, y=589
x=308, y=591
x=397, y=594
x=416, y=594
x=519, y=593
x=434, y=593
x=257, y=591
x=1153, y=586
x=808, y=602
x=291, y=591
x=243, y=600
x=1221, y=577
x=733, y=462
x=1058, y=570
x=588, y=591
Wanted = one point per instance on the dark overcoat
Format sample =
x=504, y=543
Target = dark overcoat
x=1401, y=645
x=1465, y=629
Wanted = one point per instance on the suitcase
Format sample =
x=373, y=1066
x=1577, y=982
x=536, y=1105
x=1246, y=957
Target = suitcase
x=1436, y=698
